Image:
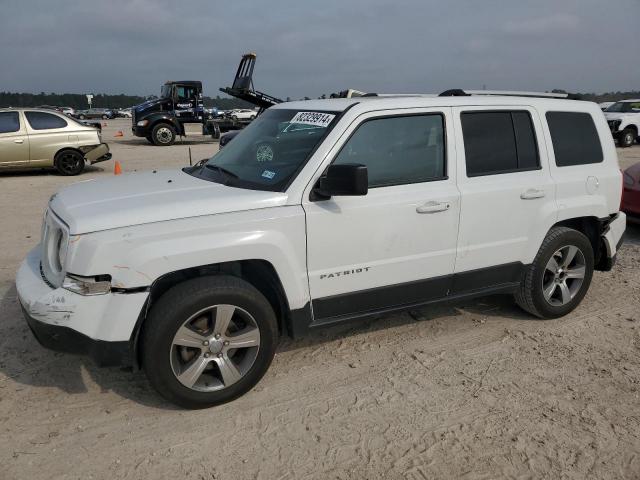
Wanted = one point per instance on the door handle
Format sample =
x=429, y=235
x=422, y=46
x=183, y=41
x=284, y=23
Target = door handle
x=18, y=141
x=433, y=207
x=532, y=193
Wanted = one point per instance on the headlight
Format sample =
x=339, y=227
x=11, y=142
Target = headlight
x=143, y=123
x=98, y=285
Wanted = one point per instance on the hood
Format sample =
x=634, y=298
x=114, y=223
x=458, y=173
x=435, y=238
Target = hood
x=634, y=171
x=150, y=104
x=618, y=115
x=139, y=198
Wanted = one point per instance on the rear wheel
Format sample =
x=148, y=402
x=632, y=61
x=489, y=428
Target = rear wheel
x=69, y=162
x=627, y=137
x=208, y=340
x=82, y=117
x=560, y=275
x=163, y=135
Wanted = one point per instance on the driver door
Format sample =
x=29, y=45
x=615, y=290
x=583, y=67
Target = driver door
x=395, y=246
x=186, y=104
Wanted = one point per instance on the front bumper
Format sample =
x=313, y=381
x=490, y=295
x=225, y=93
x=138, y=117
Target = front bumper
x=99, y=326
x=140, y=131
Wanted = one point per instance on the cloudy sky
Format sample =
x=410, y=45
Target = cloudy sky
x=310, y=47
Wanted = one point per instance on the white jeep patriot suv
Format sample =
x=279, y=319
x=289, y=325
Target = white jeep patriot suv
x=322, y=212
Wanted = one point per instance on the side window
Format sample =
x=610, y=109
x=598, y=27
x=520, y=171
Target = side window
x=499, y=142
x=44, y=121
x=185, y=92
x=9, y=122
x=575, y=138
x=398, y=150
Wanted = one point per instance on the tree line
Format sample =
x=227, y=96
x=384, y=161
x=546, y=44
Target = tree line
x=101, y=100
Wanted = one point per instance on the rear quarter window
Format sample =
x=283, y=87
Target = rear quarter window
x=575, y=138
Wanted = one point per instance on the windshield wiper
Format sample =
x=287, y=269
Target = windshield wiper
x=228, y=173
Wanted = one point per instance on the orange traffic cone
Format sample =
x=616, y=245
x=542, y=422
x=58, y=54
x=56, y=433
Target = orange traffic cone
x=119, y=134
x=117, y=169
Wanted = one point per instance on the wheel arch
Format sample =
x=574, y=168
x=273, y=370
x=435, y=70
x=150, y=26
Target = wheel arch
x=259, y=273
x=592, y=228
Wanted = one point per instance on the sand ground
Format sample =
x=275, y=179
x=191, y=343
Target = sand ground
x=473, y=390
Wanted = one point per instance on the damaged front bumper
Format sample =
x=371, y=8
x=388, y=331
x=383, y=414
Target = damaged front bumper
x=97, y=153
x=99, y=326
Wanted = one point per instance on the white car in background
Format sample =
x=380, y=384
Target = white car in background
x=68, y=111
x=124, y=113
x=623, y=118
x=243, y=114
x=604, y=105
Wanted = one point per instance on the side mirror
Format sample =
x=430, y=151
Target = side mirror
x=343, y=180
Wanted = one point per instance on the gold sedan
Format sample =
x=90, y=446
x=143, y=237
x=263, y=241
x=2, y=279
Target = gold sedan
x=32, y=138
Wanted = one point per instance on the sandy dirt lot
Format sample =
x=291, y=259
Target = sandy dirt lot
x=473, y=390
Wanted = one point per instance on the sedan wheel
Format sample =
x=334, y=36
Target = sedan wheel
x=69, y=162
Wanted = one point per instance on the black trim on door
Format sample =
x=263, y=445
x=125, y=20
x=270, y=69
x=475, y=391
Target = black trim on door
x=484, y=281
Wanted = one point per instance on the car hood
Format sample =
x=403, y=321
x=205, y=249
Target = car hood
x=618, y=115
x=139, y=198
x=634, y=171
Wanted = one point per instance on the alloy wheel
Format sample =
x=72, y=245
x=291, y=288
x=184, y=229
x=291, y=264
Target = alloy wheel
x=563, y=275
x=214, y=348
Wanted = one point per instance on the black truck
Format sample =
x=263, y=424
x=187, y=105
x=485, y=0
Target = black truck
x=162, y=119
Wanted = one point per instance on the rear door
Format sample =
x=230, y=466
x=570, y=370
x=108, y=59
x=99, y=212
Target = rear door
x=14, y=142
x=508, y=196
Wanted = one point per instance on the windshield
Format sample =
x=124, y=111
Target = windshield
x=624, y=107
x=268, y=154
x=165, y=91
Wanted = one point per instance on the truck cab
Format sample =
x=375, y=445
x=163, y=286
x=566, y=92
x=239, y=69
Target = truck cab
x=162, y=119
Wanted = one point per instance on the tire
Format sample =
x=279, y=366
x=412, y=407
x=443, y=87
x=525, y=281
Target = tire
x=69, y=162
x=538, y=279
x=105, y=117
x=252, y=117
x=168, y=363
x=82, y=117
x=627, y=137
x=163, y=135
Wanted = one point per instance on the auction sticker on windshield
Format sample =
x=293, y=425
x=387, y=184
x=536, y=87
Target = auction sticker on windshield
x=318, y=119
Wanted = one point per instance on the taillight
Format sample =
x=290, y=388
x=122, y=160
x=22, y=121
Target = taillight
x=621, y=188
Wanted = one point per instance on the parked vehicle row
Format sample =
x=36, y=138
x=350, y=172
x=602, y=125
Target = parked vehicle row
x=31, y=138
x=321, y=212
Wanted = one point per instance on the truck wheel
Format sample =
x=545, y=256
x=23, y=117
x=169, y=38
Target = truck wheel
x=69, y=162
x=208, y=341
x=627, y=137
x=560, y=275
x=163, y=135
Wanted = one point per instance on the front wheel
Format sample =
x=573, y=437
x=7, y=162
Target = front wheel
x=82, y=117
x=163, y=135
x=105, y=117
x=69, y=162
x=560, y=275
x=208, y=340
x=627, y=137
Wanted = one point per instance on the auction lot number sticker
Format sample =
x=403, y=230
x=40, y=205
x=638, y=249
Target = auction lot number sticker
x=317, y=119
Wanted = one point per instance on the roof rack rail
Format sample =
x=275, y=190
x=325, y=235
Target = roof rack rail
x=457, y=92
